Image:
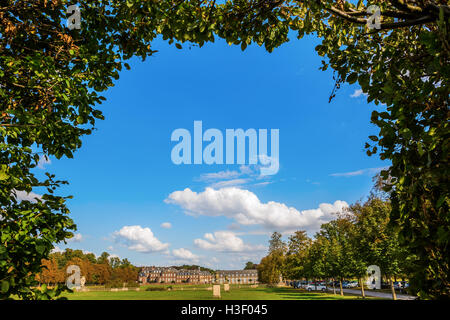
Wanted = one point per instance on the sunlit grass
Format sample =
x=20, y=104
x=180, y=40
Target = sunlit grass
x=198, y=293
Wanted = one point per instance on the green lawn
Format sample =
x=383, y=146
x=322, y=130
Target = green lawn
x=261, y=293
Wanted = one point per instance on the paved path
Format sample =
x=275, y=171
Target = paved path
x=383, y=295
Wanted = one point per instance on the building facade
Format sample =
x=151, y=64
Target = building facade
x=172, y=275
x=237, y=276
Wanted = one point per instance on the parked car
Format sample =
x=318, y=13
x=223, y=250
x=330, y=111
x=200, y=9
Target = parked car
x=345, y=284
x=330, y=284
x=314, y=287
x=352, y=284
x=398, y=285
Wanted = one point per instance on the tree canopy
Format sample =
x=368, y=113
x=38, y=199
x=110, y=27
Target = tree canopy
x=111, y=272
x=52, y=77
x=344, y=248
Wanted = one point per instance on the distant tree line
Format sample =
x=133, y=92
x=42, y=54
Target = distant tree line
x=342, y=249
x=250, y=266
x=103, y=270
x=193, y=267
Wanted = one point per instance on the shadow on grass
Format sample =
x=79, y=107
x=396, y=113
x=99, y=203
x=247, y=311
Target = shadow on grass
x=296, y=294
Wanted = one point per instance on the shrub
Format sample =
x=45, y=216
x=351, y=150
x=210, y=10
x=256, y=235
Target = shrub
x=156, y=289
x=114, y=284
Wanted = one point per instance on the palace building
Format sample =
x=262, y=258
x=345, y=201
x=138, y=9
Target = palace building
x=172, y=275
x=237, y=276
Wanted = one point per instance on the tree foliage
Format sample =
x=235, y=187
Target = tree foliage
x=276, y=244
x=51, y=79
x=296, y=256
x=342, y=259
x=271, y=267
x=377, y=241
x=343, y=248
x=111, y=271
x=250, y=266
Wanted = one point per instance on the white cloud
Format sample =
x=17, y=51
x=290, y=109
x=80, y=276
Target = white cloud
x=229, y=183
x=262, y=184
x=246, y=170
x=25, y=196
x=166, y=225
x=89, y=252
x=348, y=174
x=370, y=171
x=57, y=249
x=184, y=254
x=245, y=207
x=78, y=237
x=225, y=241
x=245, y=175
x=43, y=160
x=221, y=175
x=140, y=239
x=358, y=93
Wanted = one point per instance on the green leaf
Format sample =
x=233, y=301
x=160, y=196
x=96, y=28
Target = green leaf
x=40, y=248
x=420, y=149
x=352, y=78
x=440, y=201
x=388, y=89
x=3, y=172
x=4, y=286
x=406, y=133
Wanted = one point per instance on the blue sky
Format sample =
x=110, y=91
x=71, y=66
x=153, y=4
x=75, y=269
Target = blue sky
x=125, y=185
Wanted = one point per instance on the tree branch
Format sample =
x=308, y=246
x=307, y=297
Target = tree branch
x=386, y=13
x=352, y=17
x=346, y=16
x=407, y=23
x=401, y=4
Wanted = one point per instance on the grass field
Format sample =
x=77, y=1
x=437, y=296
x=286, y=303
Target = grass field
x=246, y=293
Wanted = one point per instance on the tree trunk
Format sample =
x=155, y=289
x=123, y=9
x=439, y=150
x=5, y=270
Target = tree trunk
x=334, y=287
x=394, y=296
x=340, y=286
x=361, y=283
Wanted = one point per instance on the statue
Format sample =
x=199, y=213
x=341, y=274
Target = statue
x=82, y=281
